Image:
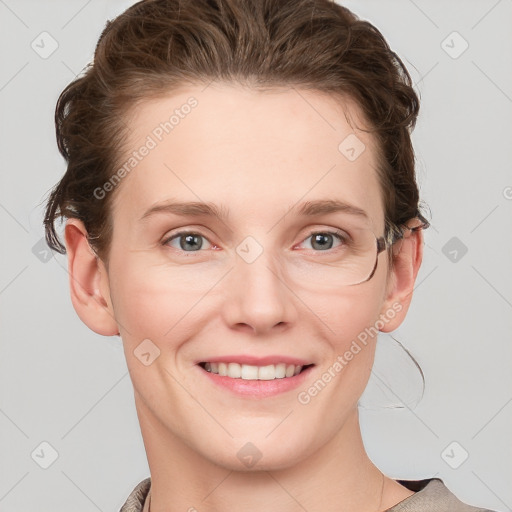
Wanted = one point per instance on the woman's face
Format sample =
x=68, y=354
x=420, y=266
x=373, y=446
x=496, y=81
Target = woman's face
x=249, y=283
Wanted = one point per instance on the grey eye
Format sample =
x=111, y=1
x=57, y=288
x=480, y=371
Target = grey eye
x=323, y=241
x=189, y=242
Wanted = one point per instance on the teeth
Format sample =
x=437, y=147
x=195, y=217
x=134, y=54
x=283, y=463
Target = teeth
x=249, y=372
x=281, y=371
x=267, y=372
x=234, y=370
x=223, y=369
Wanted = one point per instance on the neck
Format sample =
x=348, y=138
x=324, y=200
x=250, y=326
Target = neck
x=339, y=476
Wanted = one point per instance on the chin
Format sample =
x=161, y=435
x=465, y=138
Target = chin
x=244, y=455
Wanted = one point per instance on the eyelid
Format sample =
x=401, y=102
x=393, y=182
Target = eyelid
x=339, y=234
x=168, y=237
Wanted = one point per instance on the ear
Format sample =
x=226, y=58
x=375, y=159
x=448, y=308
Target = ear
x=407, y=256
x=88, y=282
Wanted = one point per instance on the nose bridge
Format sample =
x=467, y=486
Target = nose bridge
x=258, y=297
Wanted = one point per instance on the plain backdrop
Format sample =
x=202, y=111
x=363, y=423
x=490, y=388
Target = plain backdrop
x=69, y=436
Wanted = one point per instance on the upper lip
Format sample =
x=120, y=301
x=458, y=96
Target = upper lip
x=256, y=361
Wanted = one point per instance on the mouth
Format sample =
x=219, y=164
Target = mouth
x=254, y=373
x=256, y=377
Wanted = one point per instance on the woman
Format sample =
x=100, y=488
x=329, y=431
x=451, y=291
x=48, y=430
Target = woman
x=242, y=210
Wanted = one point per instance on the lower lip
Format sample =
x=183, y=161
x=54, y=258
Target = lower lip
x=258, y=388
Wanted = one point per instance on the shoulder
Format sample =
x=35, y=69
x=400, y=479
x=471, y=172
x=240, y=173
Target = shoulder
x=135, y=502
x=431, y=495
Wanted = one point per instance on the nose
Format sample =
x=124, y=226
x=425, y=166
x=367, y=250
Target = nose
x=258, y=299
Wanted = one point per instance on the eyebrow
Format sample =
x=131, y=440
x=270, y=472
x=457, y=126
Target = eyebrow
x=187, y=209
x=325, y=206
x=201, y=209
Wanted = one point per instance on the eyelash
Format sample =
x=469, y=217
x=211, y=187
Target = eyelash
x=339, y=235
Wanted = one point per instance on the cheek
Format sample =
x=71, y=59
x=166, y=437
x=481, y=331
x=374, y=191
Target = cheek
x=348, y=312
x=168, y=304
x=159, y=311
x=175, y=307
x=332, y=393
x=350, y=323
x=157, y=301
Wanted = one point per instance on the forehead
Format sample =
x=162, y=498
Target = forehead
x=253, y=152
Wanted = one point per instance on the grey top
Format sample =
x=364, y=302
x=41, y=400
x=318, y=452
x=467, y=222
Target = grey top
x=431, y=495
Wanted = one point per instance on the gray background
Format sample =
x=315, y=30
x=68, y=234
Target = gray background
x=64, y=385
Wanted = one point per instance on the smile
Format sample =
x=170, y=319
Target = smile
x=251, y=372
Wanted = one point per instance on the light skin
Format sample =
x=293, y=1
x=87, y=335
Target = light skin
x=259, y=155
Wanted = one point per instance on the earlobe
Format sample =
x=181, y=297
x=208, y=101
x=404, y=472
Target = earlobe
x=88, y=281
x=406, y=263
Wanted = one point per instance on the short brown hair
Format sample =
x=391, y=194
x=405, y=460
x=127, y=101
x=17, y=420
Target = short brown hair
x=156, y=46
